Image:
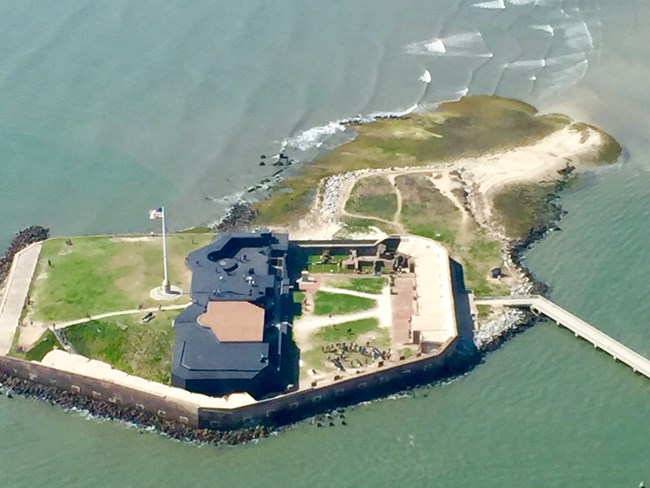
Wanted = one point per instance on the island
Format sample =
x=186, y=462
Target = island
x=364, y=272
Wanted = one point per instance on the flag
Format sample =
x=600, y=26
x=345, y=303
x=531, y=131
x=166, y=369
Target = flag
x=155, y=213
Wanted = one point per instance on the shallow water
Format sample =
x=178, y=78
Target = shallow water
x=109, y=109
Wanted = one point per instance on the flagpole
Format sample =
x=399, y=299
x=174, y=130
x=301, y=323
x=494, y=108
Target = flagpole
x=165, y=283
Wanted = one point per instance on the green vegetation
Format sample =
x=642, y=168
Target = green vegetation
x=427, y=212
x=316, y=266
x=298, y=297
x=373, y=196
x=200, y=229
x=609, y=152
x=103, y=274
x=355, y=225
x=359, y=331
x=525, y=206
x=128, y=344
x=45, y=344
x=478, y=259
x=326, y=303
x=483, y=311
x=470, y=127
x=363, y=285
x=347, y=331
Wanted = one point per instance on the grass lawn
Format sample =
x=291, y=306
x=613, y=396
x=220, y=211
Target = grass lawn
x=45, y=344
x=103, y=274
x=326, y=303
x=373, y=196
x=426, y=211
x=315, y=266
x=128, y=344
x=364, y=285
x=358, y=331
x=347, y=331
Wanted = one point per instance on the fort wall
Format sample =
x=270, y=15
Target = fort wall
x=273, y=412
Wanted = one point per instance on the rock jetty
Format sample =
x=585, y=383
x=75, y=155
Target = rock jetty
x=24, y=238
x=10, y=385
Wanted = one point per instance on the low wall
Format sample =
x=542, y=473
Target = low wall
x=368, y=386
x=120, y=402
x=100, y=390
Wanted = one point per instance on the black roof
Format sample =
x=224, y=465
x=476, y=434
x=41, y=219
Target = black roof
x=234, y=267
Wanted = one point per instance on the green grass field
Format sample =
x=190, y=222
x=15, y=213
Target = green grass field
x=373, y=196
x=358, y=331
x=128, y=344
x=427, y=212
x=315, y=266
x=347, y=331
x=363, y=285
x=326, y=303
x=104, y=274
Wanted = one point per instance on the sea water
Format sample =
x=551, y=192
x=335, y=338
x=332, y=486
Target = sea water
x=107, y=109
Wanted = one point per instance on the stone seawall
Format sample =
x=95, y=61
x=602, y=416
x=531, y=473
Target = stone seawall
x=303, y=404
x=220, y=426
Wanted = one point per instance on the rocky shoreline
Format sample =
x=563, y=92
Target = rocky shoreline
x=498, y=330
x=10, y=385
x=24, y=238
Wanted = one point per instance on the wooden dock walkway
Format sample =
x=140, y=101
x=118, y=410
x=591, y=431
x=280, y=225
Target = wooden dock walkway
x=600, y=340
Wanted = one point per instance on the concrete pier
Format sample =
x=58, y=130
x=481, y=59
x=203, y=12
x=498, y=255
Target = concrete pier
x=600, y=340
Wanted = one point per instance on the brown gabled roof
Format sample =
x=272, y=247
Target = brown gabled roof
x=234, y=321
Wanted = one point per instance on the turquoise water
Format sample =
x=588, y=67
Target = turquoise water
x=109, y=108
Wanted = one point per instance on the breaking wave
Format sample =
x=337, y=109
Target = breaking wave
x=494, y=4
x=465, y=44
x=315, y=137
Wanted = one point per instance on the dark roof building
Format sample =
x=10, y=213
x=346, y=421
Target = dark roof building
x=235, y=337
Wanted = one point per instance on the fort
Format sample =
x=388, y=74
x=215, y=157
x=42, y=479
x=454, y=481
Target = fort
x=383, y=270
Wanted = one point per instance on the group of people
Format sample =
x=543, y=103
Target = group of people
x=340, y=352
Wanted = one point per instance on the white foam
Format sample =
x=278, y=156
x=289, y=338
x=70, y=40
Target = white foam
x=578, y=37
x=315, y=137
x=465, y=44
x=426, y=77
x=527, y=64
x=461, y=93
x=546, y=28
x=522, y=2
x=494, y=4
x=435, y=46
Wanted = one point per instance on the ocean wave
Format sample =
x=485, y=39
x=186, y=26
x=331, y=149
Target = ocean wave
x=435, y=46
x=492, y=5
x=546, y=28
x=315, y=137
x=463, y=44
x=426, y=77
x=578, y=37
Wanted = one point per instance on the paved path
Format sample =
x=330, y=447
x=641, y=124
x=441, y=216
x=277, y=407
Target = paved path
x=16, y=289
x=70, y=323
x=580, y=328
